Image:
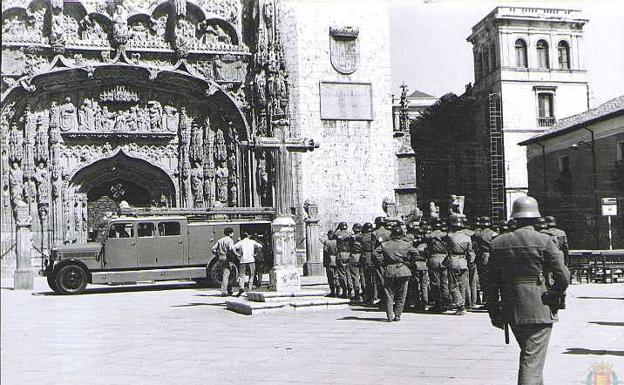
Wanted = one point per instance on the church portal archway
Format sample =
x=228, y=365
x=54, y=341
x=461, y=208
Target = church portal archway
x=108, y=181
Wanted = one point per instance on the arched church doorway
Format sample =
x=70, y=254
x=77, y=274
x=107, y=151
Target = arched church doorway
x=107, y=182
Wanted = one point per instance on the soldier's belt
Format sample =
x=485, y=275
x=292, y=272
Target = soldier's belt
x=537, y=279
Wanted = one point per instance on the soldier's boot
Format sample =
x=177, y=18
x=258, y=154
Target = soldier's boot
x=358, y=297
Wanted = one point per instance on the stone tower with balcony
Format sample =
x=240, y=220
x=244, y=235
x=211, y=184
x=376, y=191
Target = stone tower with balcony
x=529, y=68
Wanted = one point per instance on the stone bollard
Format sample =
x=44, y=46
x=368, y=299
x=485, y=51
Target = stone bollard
x=284, y=275
x=314, y=250
x=23, y=278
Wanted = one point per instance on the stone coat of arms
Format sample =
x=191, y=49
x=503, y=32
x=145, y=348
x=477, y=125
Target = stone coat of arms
x=344, y=49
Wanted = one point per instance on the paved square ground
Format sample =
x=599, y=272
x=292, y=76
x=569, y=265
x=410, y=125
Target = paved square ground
x=180, y=334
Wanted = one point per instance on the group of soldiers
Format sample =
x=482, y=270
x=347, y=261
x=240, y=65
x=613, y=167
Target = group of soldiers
x=446, y=261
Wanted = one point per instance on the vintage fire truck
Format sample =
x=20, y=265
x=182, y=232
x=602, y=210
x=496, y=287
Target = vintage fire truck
x=154, y=245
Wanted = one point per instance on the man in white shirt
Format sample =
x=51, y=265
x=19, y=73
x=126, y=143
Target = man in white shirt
x=247, y=249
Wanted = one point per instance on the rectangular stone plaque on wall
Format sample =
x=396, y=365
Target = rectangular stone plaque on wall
x=346, y=101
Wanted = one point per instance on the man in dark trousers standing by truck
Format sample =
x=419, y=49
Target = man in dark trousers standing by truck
x=224, y=250
x=517, y=292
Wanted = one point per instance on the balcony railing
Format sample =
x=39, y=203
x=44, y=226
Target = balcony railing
x=545, y=121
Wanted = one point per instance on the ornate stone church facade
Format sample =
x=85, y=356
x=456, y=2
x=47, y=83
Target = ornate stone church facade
x=193, y=104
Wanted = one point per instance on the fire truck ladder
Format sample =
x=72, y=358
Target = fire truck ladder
x=497, y=158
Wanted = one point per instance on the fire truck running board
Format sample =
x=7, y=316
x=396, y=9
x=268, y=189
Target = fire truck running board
x=148, y=275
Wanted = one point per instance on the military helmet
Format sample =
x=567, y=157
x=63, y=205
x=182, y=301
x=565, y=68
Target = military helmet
x=550, y=221
x=456, y=221
x=397, y=231
x=486, y=222
x=411, y=227
x=540, y=224
x=367, y=227
x=437, y=225
x=379, y=221
x=356, y=226
x=525, y=207
x=478, y=221
x=342, y=226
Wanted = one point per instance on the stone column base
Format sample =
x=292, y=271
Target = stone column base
x=313, y=269
x=285, y=278
x=23, y=280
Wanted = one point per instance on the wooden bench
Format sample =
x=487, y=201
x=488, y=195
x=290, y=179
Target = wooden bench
x=605, y=266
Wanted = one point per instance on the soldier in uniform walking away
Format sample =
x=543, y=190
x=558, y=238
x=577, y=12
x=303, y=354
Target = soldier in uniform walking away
x=438, y=273
x=380, y=234
x=560, y=235
x=418, y=290
x=330, y=253
x=353, y=266
x=460, y=255
x=343, y=238
x=224, y=250
x=366, y=261
x=482, y=243
x=473, y=277
x=517, y=293
x=393, y=255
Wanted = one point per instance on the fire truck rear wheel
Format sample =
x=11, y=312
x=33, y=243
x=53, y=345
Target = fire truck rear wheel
x=71, y=279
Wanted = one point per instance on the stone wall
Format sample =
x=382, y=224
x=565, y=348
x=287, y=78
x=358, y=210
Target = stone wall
x=353, y=170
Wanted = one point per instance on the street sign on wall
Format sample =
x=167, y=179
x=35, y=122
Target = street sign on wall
x=609, y=206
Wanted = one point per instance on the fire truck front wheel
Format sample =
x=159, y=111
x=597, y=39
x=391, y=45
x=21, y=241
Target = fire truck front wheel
x=71, y=279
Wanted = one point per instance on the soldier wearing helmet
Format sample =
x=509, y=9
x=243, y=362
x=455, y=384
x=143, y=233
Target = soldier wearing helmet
x=517, y=292
x=343, y=238
x=330, y=253
x=438, y=273
x=370, y=278
x=482, y=244
x=353, y=265
x=393, y=256
x=380, y=234
x=560, y=236
x=418, y=289
x=472, y=266
x=460, y=254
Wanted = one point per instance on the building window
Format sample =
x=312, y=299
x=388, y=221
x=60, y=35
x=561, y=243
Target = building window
x=521, y=53
x=564, y=55
x=542, y=54
x=620, y=151
x=564, y=165
x=546, y=116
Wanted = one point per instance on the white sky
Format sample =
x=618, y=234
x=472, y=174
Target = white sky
x=430, y=52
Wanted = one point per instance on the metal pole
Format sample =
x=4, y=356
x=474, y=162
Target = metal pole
x=596, y=208
x=610, y=240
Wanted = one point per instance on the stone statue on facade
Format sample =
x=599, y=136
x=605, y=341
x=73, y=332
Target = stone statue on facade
x=220, y=147
x=55, y=123
x=132, y=119
x=41, y=180
x=222, y=176
x=184, y=36
x=196, y=152
x=197, y=186
x=16, y=183
x=69, y=121
x=108, y=119
x=212, y=33
x=260, y=89
x=120, y=26
x=434, y=211
x=16, y=144
x=155, y=113
x=41, y=139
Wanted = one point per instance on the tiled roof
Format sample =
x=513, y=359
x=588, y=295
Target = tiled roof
x=613, y=106
x=419, y=94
